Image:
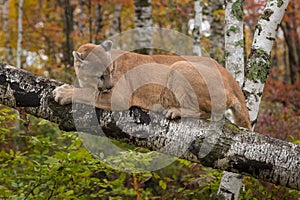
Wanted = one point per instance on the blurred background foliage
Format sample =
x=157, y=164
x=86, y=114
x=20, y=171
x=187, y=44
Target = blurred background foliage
x=38, y=161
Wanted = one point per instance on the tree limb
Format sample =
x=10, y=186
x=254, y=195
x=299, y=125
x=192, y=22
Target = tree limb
x=258, y=64
x=233, y=149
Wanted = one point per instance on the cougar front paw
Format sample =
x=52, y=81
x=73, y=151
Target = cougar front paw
x=63, y=94
x=172, y=113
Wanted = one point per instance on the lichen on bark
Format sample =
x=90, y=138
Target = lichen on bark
x=258, y=28
x=266, y=14
x=279, y=3
x=233, y=29
x=259, y=65
x=237, y=10
x=239, y=43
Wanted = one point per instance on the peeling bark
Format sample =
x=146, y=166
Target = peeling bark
x=234, y=149
x=258, y=65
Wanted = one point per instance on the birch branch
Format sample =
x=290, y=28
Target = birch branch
x=258, y=64
x=20, y=34
x=233, y=149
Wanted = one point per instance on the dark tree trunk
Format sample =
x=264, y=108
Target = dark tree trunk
x=98, y=23
x=68, y=29
x=292, y=40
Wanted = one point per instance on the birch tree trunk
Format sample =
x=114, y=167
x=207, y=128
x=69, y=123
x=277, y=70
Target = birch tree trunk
x=236, y=150
x=258, y=64
x=197, y=28
x=143, y=23
x=5, y=16
x=234, y=61
x=234, y=40
x=257, y=70
x=20, y=34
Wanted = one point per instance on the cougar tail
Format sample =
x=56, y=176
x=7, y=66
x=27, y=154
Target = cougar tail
x=241, y=115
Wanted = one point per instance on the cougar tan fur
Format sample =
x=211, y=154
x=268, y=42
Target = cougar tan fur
x=189, y=86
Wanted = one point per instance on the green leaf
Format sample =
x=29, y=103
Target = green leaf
x=43, y=122
x=36, y=190
x=163, y=184
x=70, y=192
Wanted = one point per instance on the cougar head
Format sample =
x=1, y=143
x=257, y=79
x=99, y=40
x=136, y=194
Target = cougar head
x=93, y=66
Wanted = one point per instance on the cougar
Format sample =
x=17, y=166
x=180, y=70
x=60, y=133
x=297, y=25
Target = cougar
x=178, y=86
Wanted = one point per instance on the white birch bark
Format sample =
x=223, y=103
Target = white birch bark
x=229, y=188
x=258, y=64
x=5, y=16
x=234, y=40
x=143, y=24
x=20, y=34
x=257, y=69
x=231, y=183
x=197, y=28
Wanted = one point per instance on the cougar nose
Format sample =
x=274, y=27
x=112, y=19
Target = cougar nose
x=109, y=87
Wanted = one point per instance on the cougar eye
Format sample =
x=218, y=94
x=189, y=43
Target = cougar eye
x=101, y=77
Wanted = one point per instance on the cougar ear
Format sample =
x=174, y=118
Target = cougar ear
x=78, y=56
x=107, y=44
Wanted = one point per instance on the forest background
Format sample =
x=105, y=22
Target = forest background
x=38, y=161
